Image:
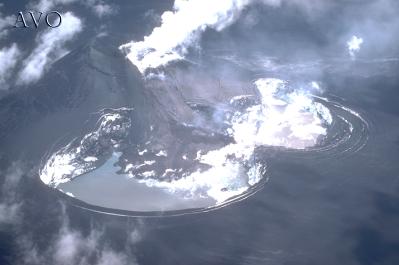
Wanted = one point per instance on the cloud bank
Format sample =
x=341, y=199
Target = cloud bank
x=182, y=27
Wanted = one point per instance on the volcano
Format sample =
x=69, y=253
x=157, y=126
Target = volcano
x=176, y=138
x=95, y=106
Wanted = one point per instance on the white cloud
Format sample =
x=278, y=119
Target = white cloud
x=9, y=212
x=109, y=257
x=8, y=60
x=152, y=17
x=6, y=22
x=100, y=8
x=354, y=45
x=48, y=5
x=72, y=247
x=10, y=201
x=50, y=46
x=135, y=235
x=67, y=247
x=103, y=9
